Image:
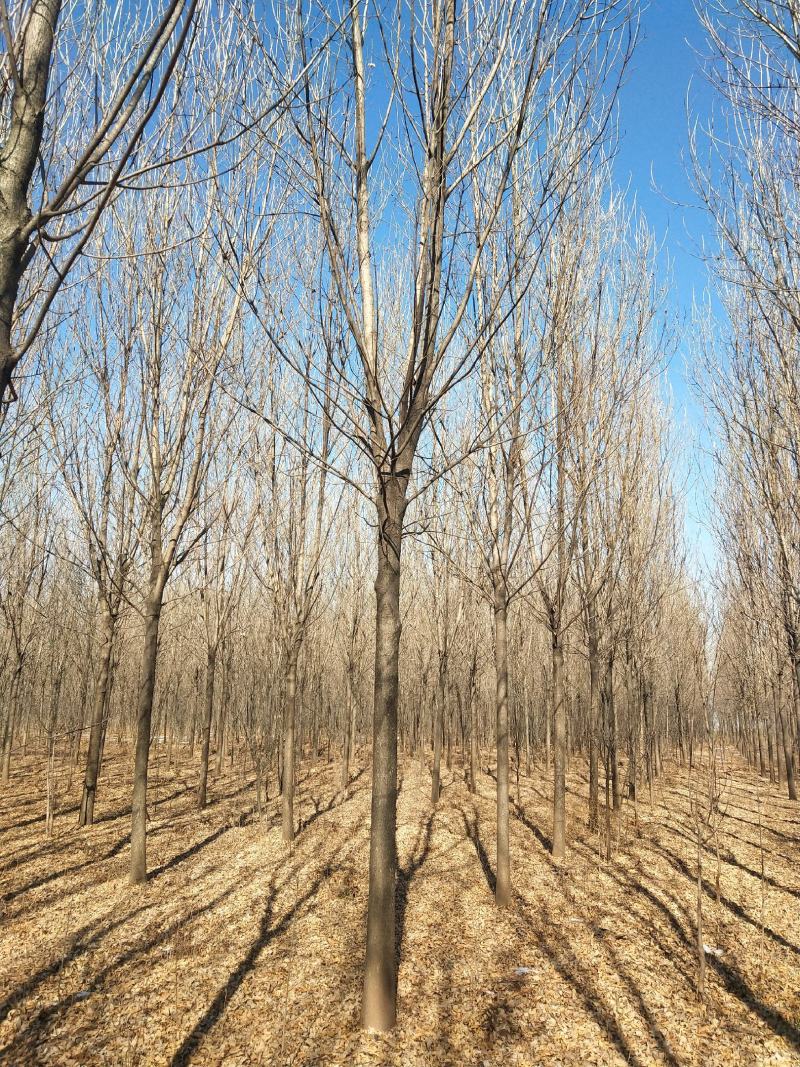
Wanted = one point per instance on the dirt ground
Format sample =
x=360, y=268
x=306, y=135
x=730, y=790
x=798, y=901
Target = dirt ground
x=239, y=953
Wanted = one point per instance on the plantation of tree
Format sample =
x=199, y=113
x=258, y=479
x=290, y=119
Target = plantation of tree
x=364, y=698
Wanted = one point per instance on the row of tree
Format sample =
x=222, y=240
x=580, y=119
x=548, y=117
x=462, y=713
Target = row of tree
x=351, y=297
x=749, y=377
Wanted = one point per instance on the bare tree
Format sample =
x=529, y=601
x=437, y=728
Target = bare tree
x=64, y=156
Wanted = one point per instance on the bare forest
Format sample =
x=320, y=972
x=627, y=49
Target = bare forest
x=365, y=697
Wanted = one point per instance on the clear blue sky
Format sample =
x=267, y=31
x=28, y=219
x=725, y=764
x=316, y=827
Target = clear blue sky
x=652, y=164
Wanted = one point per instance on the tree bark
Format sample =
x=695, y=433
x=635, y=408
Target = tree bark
x=438, y=728
x=559, y=750
x=144, y=717
x=594, y=719
x=289, y=722
x=11, y=725
x=503, y=879
x=211, y=667
x=106, y=626
x=611, y=731
x=787, y=756
x=348, y=733
x=379, y=1010
x=18, y=157
x=473, y=728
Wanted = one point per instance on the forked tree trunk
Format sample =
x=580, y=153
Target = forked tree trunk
x=502, y=893
x=106, y=625
x=17, y=162
x=144, y=716
x=289, y=724
x=211, y=668
x=559, y=750
x=379, y=1010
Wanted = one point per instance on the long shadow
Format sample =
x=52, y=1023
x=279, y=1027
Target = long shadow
x=54, y=875
x=655, y=931
x=767, y=878
x=571, y=971
x=406, y=875
x=65, y=871
x=318, y=812
x=644, y=1010
x=223, y=796
x=359, y=774
x=519, y=811
x=739, y=837
x=633, y=989
x=87, y=881
x=120, y=813
x=541, y=837
x=791, y=838
x=37, y=818
x=267, y=932
x=734, y=861
x=29, y=854
x=732, y=980
x=34, y=1030
x=336, y=801
x=736, y=909
x=473, y=833
x=83, y=941
x=187, y=853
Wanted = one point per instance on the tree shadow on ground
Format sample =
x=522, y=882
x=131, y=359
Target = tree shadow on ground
x=732, y=980
x=64, y=872
x=34, y=1034
x=187, y=853
x=267, y=932
x=521, y=814
x=736, y=909
x=570, y=969
x=406, y=875
x=734, y=861
x=473, y=833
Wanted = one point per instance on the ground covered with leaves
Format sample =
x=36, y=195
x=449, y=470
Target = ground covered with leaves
x=237, y=952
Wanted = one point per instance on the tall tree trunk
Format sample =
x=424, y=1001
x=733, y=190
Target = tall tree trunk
x=379, y=1010
x=787, y=755
x=503, y=879
x=17, y=162
x=106, y=640
x=348, y=732
x=11, y=725
x=438, y=729
x=222, y=747
x=611, y=731
x=144, y=715
x=559, y=749
x=473, y=728
x=211, y=668
x=594, y=718
x=289, y=725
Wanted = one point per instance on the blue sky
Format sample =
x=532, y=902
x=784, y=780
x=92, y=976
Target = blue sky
x=651, y=163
